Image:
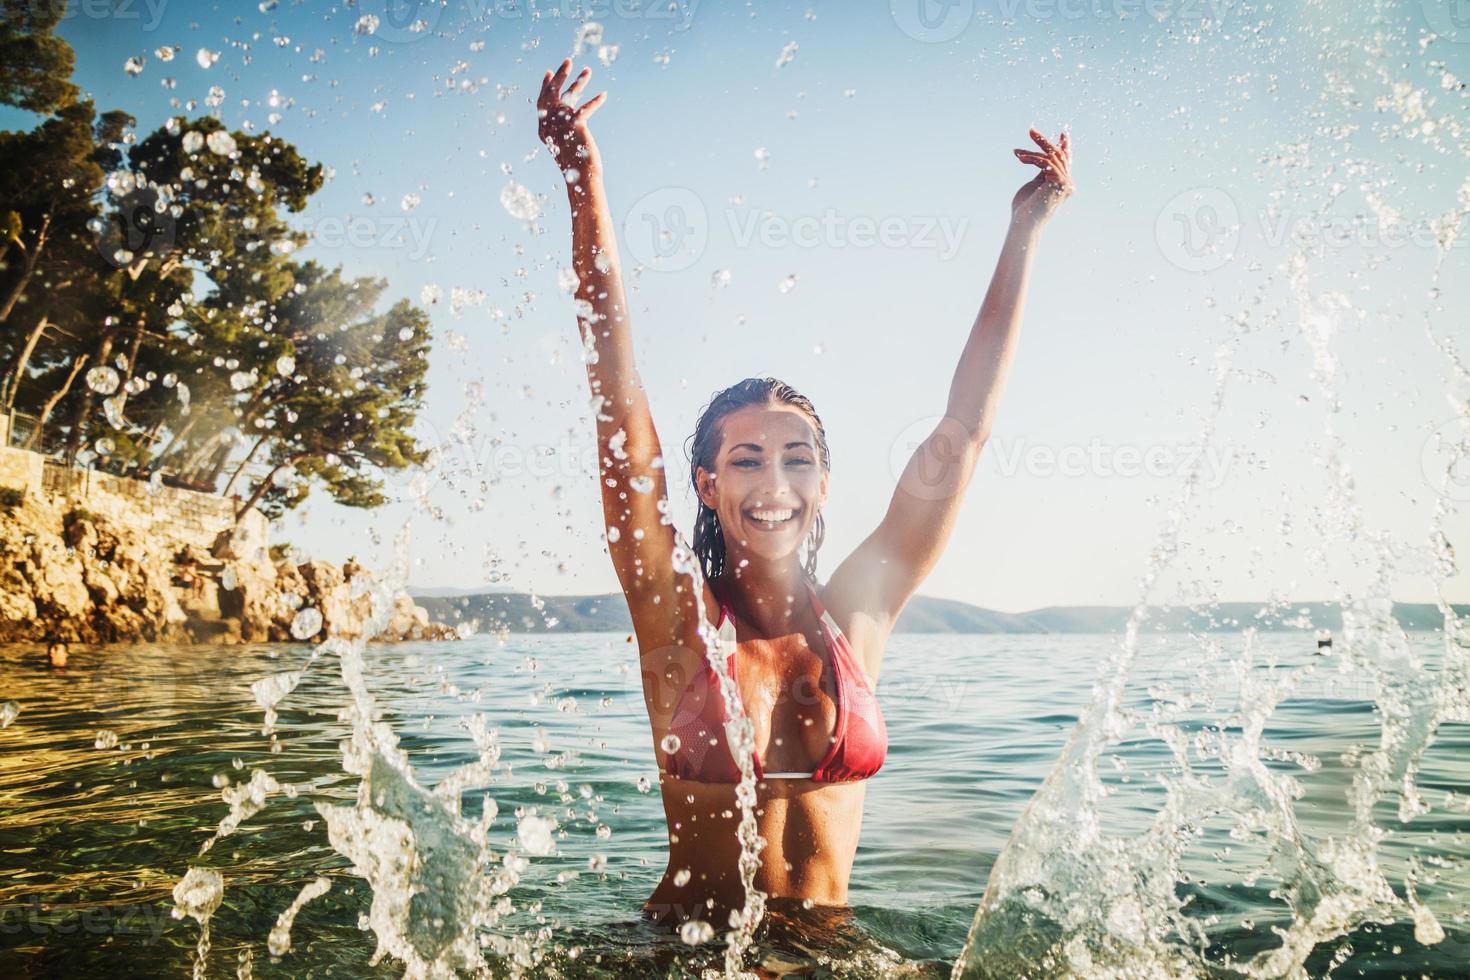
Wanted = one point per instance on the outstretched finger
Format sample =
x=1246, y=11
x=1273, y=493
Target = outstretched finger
x=1066, y=144
x=1032, y=157
x=1042, y=141
x=551, y=84
x=578, y=83
x=590, y=106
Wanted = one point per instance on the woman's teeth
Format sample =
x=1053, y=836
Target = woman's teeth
x=773, y=517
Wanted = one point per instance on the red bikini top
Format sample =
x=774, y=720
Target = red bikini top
x=859, y=743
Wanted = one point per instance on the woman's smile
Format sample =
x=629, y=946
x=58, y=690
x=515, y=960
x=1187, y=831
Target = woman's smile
x=773, y=518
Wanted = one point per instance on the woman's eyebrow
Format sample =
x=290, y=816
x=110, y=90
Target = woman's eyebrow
x=803, y=444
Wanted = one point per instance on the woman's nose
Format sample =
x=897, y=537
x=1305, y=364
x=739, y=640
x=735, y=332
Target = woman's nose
x=776, y=489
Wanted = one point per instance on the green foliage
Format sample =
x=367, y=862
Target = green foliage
x=165, y=267
x=35, y=64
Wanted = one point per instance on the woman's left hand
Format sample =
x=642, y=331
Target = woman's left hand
x=1039, y=197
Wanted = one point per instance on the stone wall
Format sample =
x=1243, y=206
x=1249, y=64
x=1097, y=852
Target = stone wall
x=149, y=511
x=155, y=511
x=19, y=470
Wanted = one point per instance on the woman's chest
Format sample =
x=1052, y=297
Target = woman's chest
x=789, y=692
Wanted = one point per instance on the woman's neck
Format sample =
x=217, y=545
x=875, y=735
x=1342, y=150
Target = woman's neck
x=768, y=596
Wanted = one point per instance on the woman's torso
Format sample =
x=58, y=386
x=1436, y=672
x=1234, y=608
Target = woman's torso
x=792, y=688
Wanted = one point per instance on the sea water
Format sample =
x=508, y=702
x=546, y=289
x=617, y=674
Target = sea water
x=94, y=840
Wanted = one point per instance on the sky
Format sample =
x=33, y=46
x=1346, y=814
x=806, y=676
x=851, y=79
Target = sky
x=819, y=192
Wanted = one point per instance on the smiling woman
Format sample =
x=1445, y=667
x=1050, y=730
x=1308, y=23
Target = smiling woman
x=797, y=661
x=743, y=418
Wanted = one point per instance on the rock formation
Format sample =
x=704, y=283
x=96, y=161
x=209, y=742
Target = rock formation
x=70, y=574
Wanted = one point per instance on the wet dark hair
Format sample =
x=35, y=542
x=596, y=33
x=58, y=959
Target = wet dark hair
x=709, y=540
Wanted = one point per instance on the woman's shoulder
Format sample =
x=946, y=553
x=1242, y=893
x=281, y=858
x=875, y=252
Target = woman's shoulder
x=851, y=612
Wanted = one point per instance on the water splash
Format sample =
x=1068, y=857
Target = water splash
x=279, y=941
x=1072, y=896
x=740, y=737
x=433, y=903
x=268, y=693
x=197, y=895
x=413, y=845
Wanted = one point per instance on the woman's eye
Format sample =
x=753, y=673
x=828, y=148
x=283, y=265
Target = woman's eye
x=799, y=462
x=747, y=463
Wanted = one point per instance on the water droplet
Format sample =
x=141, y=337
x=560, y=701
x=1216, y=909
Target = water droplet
x=306, y=623
x=221, y=142
x=681, y=877
x=106, y=739
x=9, y=711
x=103, y=380
x=286, y=365
x=534, y=833
x=670, y=743
x=520, y=202
x=695, y=932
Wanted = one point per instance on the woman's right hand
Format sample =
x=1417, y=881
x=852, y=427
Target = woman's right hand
x=564, y=126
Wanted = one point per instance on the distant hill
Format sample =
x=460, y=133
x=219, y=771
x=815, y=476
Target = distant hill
x=609, y=614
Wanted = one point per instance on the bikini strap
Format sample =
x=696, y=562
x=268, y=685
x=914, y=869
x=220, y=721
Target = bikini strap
x=824, y=617
x=727, y=631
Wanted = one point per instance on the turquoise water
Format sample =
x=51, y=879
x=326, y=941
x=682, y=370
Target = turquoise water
x=93, y=840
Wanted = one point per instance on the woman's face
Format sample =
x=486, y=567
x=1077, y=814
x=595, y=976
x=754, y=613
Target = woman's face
x=768, y=483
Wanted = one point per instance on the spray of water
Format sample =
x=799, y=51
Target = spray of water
x=740, y=736
x=1068, y=898
x=434, y=903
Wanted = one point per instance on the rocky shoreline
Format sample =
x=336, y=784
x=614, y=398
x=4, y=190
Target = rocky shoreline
x=69, y=574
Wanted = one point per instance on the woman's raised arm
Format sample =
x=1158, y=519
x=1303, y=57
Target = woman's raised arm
x=634, y=490
x=886, y=569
